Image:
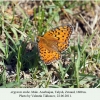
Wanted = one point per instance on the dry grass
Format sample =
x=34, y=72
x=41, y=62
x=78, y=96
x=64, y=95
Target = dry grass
x=21, y=22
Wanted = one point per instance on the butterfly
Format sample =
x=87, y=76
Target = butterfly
x=53, y=43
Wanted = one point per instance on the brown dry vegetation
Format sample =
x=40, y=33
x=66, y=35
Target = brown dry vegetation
x=25, y=20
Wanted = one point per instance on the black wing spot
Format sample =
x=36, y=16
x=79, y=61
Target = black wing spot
x=58, y=38
x=62, y=36
x=55, y=35
x=58, y=33
x=61, y=30
x=48, y=51
x=44, y=52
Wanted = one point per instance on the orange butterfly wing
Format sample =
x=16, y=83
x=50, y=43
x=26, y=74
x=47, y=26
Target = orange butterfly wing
x=47, y=54
x=53, y=42
x=61, y=35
